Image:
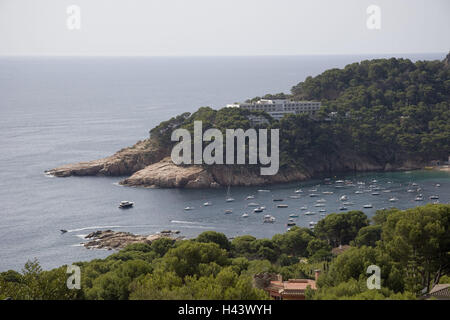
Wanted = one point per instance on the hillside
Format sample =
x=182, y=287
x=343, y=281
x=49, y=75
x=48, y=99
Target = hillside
x=382, y=114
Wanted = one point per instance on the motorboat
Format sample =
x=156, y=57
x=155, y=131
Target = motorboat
x=228, y=211
x=189, y=208
x=229, y=199
x=245, y=215
x=294, y=197
x=258, y=210
x=322, y=210
x=263, y=190
x=282, y=206
x=278, y=199
x=293, y=215
x=252, y=204
x=298, y=191
x=358, y=192
x=434, y=197
x=304, y=208
x=268, y=219
x=125, y=204
x=376, y=193
x=367, y=206
x=206, y=204
x=419, y=198
x=319, y=205
x=343, y=198
x=309, y=213
x=291, y=224
x=321, y=201
x=327, y=192
x=343, y=208
x=250, y=197
x=393, y=199
x=313, y=195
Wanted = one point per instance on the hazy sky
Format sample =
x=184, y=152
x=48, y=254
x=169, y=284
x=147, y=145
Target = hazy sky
x=223, y=27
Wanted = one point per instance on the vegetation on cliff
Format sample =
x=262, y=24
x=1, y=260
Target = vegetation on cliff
x=411, y=247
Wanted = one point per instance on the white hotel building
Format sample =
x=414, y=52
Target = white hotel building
x=278, y=108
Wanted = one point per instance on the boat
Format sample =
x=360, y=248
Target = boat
x=291, y=224
x=268, y=219
x=229, y=198
x=262, y=208
x=282, y=206
x=293, y=215
x=250, y=197
x=386, y=191
x=294, y=197
x=327, y=192
x=437, y=185
x=321, y=201
x=414, y=184
x=419, y=198
x=319, y=205
x=322, y=210
x=313, y=195
x=393, y=199
x=125, y=204
x=411, y=190
x=263, y=190
x=258, y=210
x=339, y=181
x=375, y=193
x=206, y=204
x=298, y=191
x=278, y=199
x=374, y=181
x=312, y=190
x=358, y=192
x=343, y=208
x=245, y=215
x=63, y=230
x=252, y=204
x=304, y=208
x=343, y=198
x=228, y=211
x=348, y=203
x=309, y=213
x=367, y=206
x=189, y=208
x=434, y=197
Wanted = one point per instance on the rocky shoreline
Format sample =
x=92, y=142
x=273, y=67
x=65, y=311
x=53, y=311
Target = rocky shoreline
x=115, y=240
x=149, y=165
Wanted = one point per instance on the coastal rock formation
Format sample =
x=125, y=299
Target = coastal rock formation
x=108, y=239
x=123, y=162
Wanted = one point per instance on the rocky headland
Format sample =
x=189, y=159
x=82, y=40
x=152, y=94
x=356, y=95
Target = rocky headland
x=109, y=239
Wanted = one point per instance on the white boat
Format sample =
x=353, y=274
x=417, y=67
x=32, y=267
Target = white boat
x=262, y=208
x=263, y=190
x=268, y=219
x=327, y=192
x=298, y=191
x=313, y=195
x=358, y=192
x=386, y=191
x=393, y=199
x=339, y=181
x=228, y=211
x=250, y=197
x=418, y=198
x=189, y=208
x=206, y=204
x=414, y=184
x=343, y=198
x=321, y=201
x=229, y=199
x=258, y=210
x=294, y=197
x=309, y=213
x=282, y=206
x=252, y=204
x=319, y=205
x=304, y=208
x=347, y=203
x=433, y=197
x=367, y=206
x=437, y=185
x=245, y=215
x=312, y=190
x=293, y=215
x=375, y=193
x=322, y=210
x=411, y=190
x=125, y=204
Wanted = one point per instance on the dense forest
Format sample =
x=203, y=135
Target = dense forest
x=386, y=111
x=411, y=247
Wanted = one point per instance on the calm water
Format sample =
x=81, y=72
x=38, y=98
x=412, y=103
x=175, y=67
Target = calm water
x=62, y=110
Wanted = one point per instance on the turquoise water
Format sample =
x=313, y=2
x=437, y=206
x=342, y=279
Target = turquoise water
x=64, y=110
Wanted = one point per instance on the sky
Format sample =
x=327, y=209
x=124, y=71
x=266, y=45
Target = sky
x=222, y=28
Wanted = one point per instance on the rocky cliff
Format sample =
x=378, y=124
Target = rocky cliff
x=150, y=166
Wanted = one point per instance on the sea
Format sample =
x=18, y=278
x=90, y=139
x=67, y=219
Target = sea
x=60, y=110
